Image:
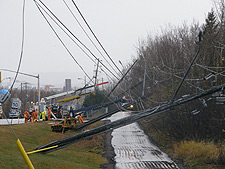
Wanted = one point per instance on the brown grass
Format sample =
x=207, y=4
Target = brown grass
x=199, y=153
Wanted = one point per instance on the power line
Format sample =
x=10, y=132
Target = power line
x=69, y=36
x=73, y=35
x=122, y=78
x=20, y=61
x=207, y=68
x=62, y=143
x=38, y=5
x=59, y=26
x=62, y=41
x=22, y=46
x=192, y=62
x=64, y=31
x=95, y=36
x=186, y=80
x=58, y=21
x=87, y=34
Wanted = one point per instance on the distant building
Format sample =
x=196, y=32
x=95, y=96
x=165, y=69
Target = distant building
x=57, y=90
x=47, y=88
x=67, y=85
x=51, y=88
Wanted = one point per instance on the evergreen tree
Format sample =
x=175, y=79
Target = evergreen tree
x=210, y=27
x=92, y=99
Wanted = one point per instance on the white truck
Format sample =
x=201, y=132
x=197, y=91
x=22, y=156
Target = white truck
x=15, y=111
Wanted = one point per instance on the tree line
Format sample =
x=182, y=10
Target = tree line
x=166, y=58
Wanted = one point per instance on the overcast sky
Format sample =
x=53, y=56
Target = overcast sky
x=119, y=24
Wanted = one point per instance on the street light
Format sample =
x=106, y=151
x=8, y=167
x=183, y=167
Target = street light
x=26, y=74
x=3, y=80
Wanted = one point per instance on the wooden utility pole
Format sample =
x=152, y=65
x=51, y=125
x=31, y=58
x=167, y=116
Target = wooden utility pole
x=96, y=74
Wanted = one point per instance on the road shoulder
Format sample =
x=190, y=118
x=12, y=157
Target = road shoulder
x=108, y=151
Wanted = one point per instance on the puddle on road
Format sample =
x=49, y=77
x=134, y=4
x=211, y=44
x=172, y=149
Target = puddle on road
x=133, y=148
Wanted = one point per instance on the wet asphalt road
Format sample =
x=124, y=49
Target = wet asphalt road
x=134, y=150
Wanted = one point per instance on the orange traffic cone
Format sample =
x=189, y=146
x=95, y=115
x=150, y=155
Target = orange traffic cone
x=32, y=120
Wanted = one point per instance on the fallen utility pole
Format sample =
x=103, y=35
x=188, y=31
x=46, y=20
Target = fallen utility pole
x=98, y=106
x=124, y=121
x=187, y=71
x=81, y=126
x=122, y=78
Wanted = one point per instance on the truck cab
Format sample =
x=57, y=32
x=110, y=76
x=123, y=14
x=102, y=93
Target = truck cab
x=56, y=110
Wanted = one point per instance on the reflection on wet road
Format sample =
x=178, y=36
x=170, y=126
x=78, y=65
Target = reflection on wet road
x=134, y=150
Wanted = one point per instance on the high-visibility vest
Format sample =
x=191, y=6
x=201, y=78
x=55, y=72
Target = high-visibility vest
x=80, y=118
x=36, y=114
x=33, y=115
x=49, y=112
x=26, y=115
x=43, y=115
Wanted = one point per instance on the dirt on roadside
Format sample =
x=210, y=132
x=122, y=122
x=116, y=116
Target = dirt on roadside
x=108, y=151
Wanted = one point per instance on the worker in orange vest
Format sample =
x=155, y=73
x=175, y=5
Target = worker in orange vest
x=49, y=113
x=80, y=118
x=32, y=116
x=36, y=115
x=26, y=116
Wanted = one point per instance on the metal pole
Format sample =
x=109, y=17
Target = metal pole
x=26, y=96
x=22, y=106
x=85, y=84
x=24, y=154
x=38, y=96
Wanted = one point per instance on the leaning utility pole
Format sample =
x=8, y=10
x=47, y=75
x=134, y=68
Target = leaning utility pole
x=96, y=74
x=122, y=78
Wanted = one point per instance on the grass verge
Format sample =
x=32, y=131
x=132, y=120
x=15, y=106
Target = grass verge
x=83, y=155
